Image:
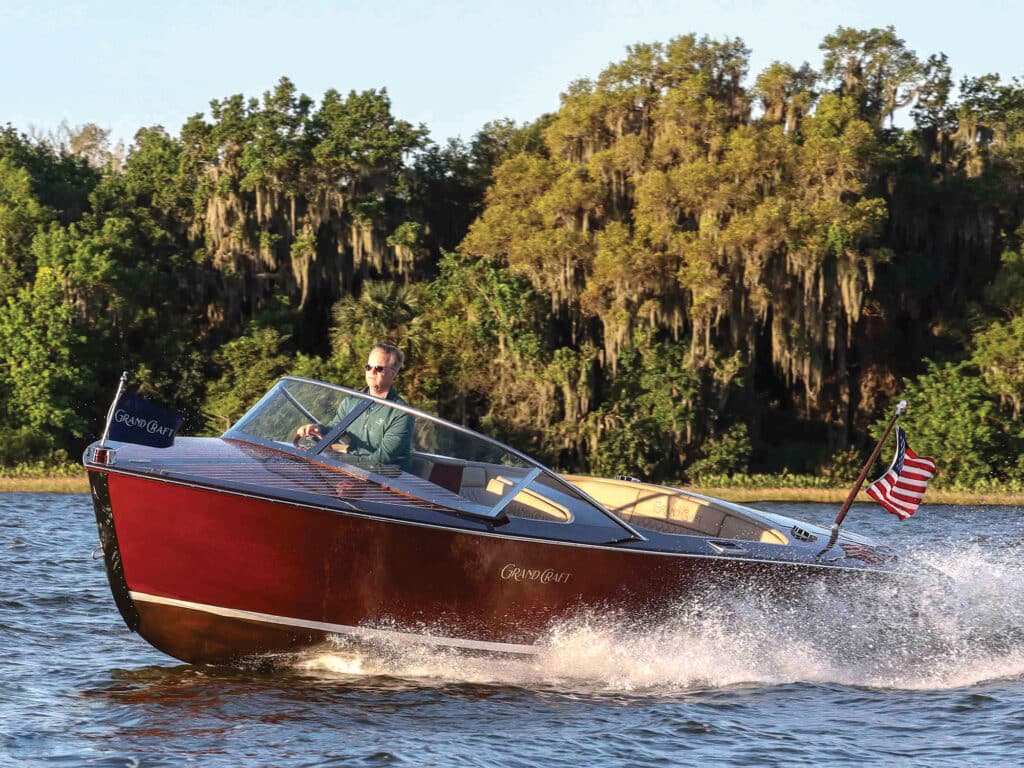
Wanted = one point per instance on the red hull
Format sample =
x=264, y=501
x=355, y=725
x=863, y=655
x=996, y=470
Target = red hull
x=217, y=576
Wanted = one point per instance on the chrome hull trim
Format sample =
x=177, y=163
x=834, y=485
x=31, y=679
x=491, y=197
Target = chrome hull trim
x=359, y=633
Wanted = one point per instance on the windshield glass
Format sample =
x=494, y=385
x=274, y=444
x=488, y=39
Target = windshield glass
x=405, y=450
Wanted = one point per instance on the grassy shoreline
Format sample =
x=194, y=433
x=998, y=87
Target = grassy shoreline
x=79, y=484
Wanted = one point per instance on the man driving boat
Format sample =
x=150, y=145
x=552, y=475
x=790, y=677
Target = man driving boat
x=380, y=435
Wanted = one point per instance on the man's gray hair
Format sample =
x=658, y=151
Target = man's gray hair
x=395, y=356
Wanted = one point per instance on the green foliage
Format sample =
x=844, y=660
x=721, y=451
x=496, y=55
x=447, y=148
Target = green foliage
x=768, y=482
x=999, y=354
x=57, y=464
x=1006, y=291
x=407, y=235
x=153, y=178
x=248, y=366
x=22, y=443
x=843, y=467
x=40, y=374
x=383, y=312
x=447, y=183
x=20, y=215
x=630, y=448
x=874, y=67
x=953, y=418
x=479, y=356
x=642, y=427
x=725, y=455
x=61, y=182
x=626, y=263
x=358, y=132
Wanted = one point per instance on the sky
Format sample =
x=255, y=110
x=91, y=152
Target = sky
x=452, y=65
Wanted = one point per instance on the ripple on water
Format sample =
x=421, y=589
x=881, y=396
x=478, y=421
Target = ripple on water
x=730, y=679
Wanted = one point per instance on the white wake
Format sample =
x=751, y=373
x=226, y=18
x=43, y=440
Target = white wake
x=960, y=623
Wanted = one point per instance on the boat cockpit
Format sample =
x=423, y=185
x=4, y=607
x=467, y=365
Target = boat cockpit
x=447, y=466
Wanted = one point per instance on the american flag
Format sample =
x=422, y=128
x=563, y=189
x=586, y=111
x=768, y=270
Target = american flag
x=901, y=489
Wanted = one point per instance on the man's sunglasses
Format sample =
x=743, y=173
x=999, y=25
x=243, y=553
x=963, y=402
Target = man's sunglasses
x=377, y=368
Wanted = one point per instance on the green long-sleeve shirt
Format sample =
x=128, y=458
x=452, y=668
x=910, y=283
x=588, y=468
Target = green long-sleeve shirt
x=379, y=434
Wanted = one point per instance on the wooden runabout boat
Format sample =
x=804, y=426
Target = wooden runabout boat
x=255, y=542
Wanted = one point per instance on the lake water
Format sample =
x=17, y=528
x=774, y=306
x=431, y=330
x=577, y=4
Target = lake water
x=935, y=678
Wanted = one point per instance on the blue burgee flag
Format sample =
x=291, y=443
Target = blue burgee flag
x=136, y=420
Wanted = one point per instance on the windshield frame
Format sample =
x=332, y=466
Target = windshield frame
x=534, y=468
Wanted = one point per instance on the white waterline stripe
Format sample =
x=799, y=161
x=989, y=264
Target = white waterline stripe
x=341, y=629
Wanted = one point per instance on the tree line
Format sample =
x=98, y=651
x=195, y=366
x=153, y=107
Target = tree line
x=682, y=272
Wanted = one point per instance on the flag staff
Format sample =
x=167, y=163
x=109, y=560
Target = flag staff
x=113, y=405
x=901, y=408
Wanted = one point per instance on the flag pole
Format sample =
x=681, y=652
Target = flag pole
x=110, y=411
x=901, y=408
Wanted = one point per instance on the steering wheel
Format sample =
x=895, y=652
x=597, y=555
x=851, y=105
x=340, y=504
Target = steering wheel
x=305, y=442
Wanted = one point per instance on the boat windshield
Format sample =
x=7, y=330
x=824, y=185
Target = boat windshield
x=414, y=453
